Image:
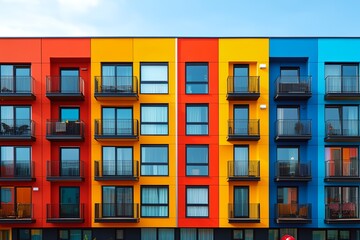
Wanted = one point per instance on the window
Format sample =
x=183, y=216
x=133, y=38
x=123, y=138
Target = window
x=197, y=121
x=117, y=121
x=69, y=161
x=197, y=160
x=154, y=160
x=288, y=196
x=243, y=83
x=5, y=234
x=154, y=78
x=74, y=234
x=318, y=235
x=288, y=161
x=243, y=234
x=288, y=121
x=117, y=77
x=342, y=120
x=117, y=161
x=273, y=234
x=341, y=161
x=196, y=234
x=290, y=74
x=335, y=234
x=15, y=78
x=15, y=120
x=241, y=121
x=342, y=78
x=197, y=201
x=117, y=201
x=119, y=235
x=341, y=202
x=154, y=119
x=154, y=201
x=16, y=200
x=197, y=78
x=69, y=202
x=15, y=161
x=69, y=81
x=241, y=161
x=30, y=234
x=157, y=234
x=241, y=202
x=70, y=115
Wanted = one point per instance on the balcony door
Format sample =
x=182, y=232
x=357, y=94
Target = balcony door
x=342, y=120
x=117, y=121
x=241, y=202
x=288, y=159
x=117, y=201
x=342, y=77
x=117, y=78
x=69, y=161
x=15, y=161
x=241, y=160
x=241, y=78
x=287, y=199
x=16, y=201
x=69, y=80
x=15, y=120
x=71, y=115
x=288, y=119
x=290, y=74
x=117, y=161
x=69, y=202
x=341, y=161
x=241, y=120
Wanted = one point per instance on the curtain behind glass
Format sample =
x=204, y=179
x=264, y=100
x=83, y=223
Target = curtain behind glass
x=154, y=120
x=205, y=234
x=166, y=234
x=7, y=161
x=124, y=164
x=108, y=161
x=241, y=204
x=108, y=194
x=124, y=78
x=148, y=234
x=154, y=160
x=7, y=74
x=108, y=77
x=350, y=121
x=154, y=78
x=197, y=196
x=333, y=78
x=241, y=161
x=188, y=233
x=108, y=121
x=23, y=80
x=70, y=162
x=154, y=196
x=197, y=119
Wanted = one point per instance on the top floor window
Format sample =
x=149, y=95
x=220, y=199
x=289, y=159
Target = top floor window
x=342, y=78
x=117, y=77
x=154, y=78
x=15, y=78
x=197, y=78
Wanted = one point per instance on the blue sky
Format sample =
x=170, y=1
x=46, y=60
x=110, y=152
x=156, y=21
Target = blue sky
x=203, y=18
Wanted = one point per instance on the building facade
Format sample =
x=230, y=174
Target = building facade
x=179, y=138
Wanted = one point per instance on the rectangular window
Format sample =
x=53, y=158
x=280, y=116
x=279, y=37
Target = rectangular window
x=342, y=120
x=166, y=234
x=69, y=202
x=243, y=234
x=154, y=120
x=154, y=160
x=197, y=201
x=154, y=201
x=196, y=234
x=69, y=161
x=288, y=161
x=241, y=202
x=319, y=235
x=74, y=234
x=241, y=161
x=157, y=234
x=117, y=78
x=69, y=81
x=242, y=125
x=16, y=202
x=119, y=234
x=341, y=161
x=197, y=78
x=15, y=120
x=273, y=234
x=15, y=161
x=342, y=78
x=154, y=78
x=117, y=121
x=29, y=234
x=197, y=160
x=15, y=78
x=117, y=201
x=197, y=119
x=117, y=161
x=342, y=202
x=288, y=121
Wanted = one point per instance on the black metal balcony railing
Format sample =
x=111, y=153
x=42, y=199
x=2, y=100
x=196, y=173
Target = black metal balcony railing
x=117, y=129
x=117, y=212
x=293, y=213
x=293, y=129
x=292, y=171
x=16, y=88
x=343, y=169
x=293, y=87
x=58, y=213
x=16, y=213
x=342, y=130
x=244, y=212
x=342, y=87
x=342, y=211
x=65, y=130
x=17, y=129
x=124, y=170
x=121, y=86
x=248, y=129
x=19, y=171
x=67, y=88
x=243, y=170
x=243, y=87
x=65, y=171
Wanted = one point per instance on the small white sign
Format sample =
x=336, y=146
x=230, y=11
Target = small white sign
x=35, y=189
x=262, y=66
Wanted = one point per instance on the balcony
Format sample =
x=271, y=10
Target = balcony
x=117, y=130
x=68, y=88
x=243, y=170
x=124, y=170
x=293, y=88
x=244, y=130
x=16, y=88
x=342, y=170
x=292, y=171
x=117, y=213
x=244, y=213
x=346, y=213
x=57, y=171
x=293, y=130
x=116, y=88
x=342, y=131
x=342, y=88
x=16, y=213
x=17, y=130
x=65, y=213
x=57, y=130
x=21, y=171
x=243, y=88
x=293, y=213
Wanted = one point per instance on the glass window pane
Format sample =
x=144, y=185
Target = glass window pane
x=197, y=160
x=154, y=202
x=188, y=233
x=154, y=160
x=196, y=78
x=205, y=234
x=154, y=78
x=166, y=234
x=154, y=120
x=318, y=235
x=148, y=234
x=197, y=120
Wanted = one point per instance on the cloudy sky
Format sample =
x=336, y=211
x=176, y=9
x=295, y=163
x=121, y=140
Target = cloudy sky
x=202, y=18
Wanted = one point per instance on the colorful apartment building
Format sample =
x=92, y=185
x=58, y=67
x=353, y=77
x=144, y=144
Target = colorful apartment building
x=179, y=138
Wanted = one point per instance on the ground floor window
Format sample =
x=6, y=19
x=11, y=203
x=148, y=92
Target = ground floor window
x=196, y=234
x=74, y=234
x=243, y=234
x=30, y=234
x=4, y=234
x=273, y=234
x=157, y=234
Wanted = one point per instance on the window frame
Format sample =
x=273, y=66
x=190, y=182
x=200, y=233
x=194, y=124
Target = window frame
x=342, y=162
x=154, y=163
x=142, y=187
x=198, y=146
x=154, y=123
x=115, y=160
x=16, y=159
x=193, y=64
x=61, y=159
x=199, y=204
x=154, y=82
x=197, y=105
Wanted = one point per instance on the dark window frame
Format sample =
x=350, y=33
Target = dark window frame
x=154, y=163
x=194, y=204
x=154, y=204
x=154, y=123
x=154, y=82
x=197, y=123
x=203, y=64
x=116, y=156
x=197, y=164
